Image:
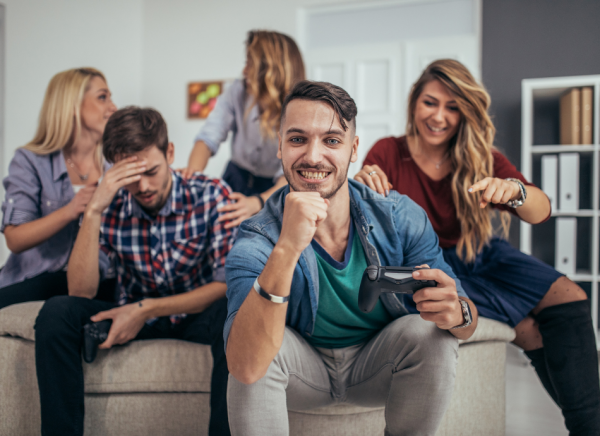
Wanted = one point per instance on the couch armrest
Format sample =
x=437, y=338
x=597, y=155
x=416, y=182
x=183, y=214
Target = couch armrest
x=18, y=320
x=490, y=330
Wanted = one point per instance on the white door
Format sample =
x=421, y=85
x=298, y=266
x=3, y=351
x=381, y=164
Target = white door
x=379, y=77
x=371, y=74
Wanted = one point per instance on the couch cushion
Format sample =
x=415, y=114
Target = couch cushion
x=165, y=365
x=147, y=366
x=490, y=330
x=157, y=365
x=18, y=320
x=340, y=409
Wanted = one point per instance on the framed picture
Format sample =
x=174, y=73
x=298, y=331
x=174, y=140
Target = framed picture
x=202, y=98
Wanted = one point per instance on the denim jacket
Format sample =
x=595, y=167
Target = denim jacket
x=393, y=230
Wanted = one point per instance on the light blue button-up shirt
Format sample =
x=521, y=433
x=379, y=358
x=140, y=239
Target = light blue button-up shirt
x=36, y=186
x=249, y=149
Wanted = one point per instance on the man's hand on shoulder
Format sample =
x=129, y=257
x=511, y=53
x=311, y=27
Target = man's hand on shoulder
x=303, y=213
x=121, y=174
x=439, y=305
x=127, y=321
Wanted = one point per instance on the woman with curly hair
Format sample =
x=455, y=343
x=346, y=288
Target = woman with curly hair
x=448, y=165
x=251, y=108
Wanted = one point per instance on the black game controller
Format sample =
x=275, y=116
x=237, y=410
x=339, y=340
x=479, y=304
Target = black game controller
x=392, y=279
x=94, y=333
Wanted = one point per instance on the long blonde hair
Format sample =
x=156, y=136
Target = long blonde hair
x=274, y=66
x=470, y=150
x=59, y=123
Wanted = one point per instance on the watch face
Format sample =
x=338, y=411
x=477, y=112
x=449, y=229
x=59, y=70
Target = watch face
x=466, y=310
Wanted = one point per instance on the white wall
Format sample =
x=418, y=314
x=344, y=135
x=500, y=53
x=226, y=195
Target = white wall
x=187, y=40
x=44, y=37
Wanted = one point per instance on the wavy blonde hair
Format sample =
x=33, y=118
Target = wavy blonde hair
x=59, y=123
x=470, y=150
x=274, y=65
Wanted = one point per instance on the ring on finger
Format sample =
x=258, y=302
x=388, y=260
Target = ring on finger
x=372, y=172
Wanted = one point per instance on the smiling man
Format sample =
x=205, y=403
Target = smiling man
x=163, y=234
x=295, y=336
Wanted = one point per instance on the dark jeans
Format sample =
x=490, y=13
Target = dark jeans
x=58, y=338
x=48, y=285
x=244, y=182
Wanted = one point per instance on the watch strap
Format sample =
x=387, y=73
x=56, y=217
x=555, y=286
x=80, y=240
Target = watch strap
x=262, y=202
x=466, y=312
x=520, y=201
x=274, y=298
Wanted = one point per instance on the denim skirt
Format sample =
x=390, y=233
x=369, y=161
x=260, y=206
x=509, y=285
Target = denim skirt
x=504, y=283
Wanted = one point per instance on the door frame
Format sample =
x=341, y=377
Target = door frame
x=303, y=15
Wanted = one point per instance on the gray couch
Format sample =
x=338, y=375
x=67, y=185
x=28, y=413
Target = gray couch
x=160, y=387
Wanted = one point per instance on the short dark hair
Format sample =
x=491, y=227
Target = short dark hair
x=336, y=97
x=133, y=129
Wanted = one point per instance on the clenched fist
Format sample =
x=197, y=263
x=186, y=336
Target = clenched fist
x=303, y=213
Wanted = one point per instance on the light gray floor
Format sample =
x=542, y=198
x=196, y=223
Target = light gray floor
x=529, y=409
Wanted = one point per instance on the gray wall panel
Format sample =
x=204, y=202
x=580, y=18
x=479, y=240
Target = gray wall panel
x=528, y=39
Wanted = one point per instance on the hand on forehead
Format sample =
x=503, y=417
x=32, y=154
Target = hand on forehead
x=150, y=154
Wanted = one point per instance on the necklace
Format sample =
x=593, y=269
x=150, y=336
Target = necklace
x=83, y=177
x=437, y=164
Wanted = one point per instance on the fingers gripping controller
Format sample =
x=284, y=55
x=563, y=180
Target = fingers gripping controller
x=94, y=333
x=389, y=279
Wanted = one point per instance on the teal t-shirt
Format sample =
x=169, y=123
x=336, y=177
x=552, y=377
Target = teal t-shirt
x=339, y=322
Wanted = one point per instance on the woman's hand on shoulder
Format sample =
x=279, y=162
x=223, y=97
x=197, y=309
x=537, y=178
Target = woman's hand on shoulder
x=243, y=208
x=187, y=172
x=495, y=191
x=374, y=178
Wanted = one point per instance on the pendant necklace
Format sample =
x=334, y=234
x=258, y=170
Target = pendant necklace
x=83, y=177
x=437, y=164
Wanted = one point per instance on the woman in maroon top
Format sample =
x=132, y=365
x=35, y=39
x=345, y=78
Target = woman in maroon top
x=447, y=164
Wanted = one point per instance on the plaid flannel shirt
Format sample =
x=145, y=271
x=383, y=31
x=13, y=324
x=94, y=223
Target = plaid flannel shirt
x=180, y=249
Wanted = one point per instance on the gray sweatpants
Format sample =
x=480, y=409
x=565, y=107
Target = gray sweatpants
x=409, y=367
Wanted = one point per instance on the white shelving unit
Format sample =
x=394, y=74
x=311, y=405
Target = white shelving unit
x=552, y=88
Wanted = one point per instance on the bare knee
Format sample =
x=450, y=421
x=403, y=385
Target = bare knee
x=528, y=335
x=562, y=291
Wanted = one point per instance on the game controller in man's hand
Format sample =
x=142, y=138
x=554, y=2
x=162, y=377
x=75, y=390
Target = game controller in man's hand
x=391, y=279
x=94, y=333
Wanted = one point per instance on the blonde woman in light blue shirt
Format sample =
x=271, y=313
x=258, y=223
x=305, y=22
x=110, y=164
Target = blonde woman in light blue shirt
x=50, y=181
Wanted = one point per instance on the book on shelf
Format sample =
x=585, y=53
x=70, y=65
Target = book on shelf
x=566, y=245
x=549, y=178
x=568, y=177
x=586, y=114
x=570, y=117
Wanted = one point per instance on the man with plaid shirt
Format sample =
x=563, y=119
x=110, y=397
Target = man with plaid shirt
x=164, y=236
